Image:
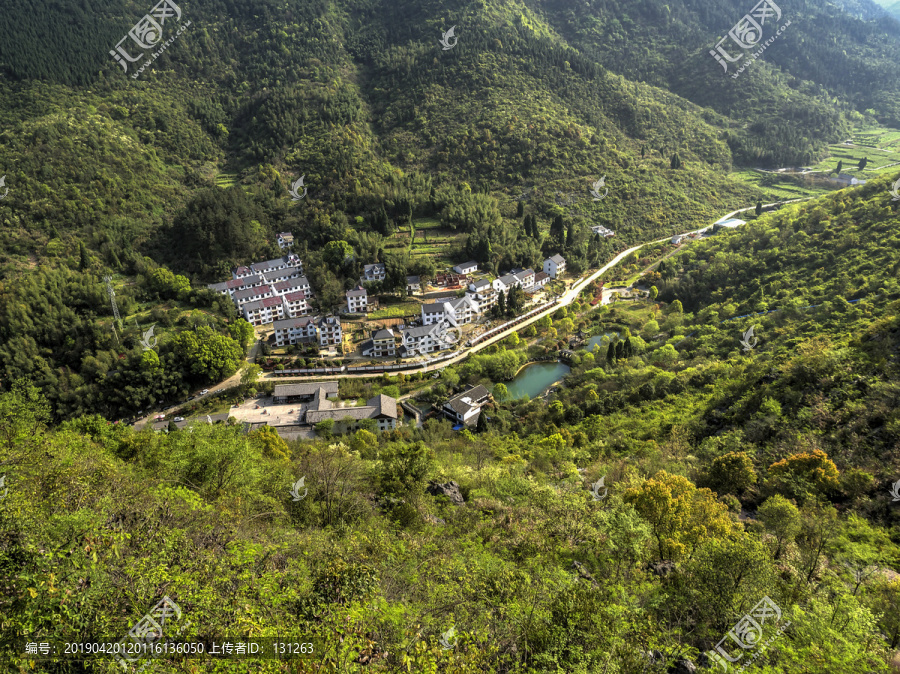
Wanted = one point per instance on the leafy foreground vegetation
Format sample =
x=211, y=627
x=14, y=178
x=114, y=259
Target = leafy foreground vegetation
x=732, y=476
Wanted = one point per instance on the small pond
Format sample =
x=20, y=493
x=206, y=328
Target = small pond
x=597, y=339
x=536, y=378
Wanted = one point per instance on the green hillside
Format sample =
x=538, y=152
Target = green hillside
x=797, y=435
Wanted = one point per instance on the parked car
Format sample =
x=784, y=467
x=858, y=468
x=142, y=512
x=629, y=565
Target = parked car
x=204, y=391
x=178, y=419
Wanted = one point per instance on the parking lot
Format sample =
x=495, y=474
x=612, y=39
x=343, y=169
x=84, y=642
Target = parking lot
x=262, y=409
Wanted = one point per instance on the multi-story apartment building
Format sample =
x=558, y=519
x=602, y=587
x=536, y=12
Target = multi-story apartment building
x=295, y=330
x=295, y=304
x=329, y=330
x=382, y=345
x=554, y=265
x=241, y=297
x=357, y=300
x=525, y=277
x=422, y=339
x=285, y=240
x=264, y=311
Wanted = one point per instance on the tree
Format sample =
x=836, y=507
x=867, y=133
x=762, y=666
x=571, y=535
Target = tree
x=208, y=355
x=675, y=161
x=758, y=208
x=611, y=354
x=501, y=303
x=781, y=519
x=250, y=374
x=681, y=516
x=804, y=475
x=336, y=253
x=520, y=209
x=325, y=427
x=84, y=259
x=676, y=307
x=862, y=163
x=500, y=392
x=620, y=351
x=628, y=347
x=242, y=332
x=730, y=473
x=654, y=292
x=404, y=468
x=271, y=444
x=481, y=426
x=839, y=167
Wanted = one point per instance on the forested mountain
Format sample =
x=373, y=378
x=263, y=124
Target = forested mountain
x=535, y=102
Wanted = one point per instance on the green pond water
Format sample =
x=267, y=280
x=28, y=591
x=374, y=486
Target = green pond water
x=536, y=378
x=596, y=339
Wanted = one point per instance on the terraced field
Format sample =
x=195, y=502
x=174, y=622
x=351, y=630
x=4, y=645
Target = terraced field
x=430, y=240
x=778, y=188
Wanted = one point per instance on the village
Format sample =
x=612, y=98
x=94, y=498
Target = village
x=276, y=298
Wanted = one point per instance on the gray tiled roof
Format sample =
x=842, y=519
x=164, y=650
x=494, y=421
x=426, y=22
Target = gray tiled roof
x=558, y=259
x=283, y=390
x=420, y=331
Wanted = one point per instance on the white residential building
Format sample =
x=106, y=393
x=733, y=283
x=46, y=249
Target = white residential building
x=285, y=240
x=245, y=295
x=434, y=313
x=554, y=265
x=264, y=311
x=382, y=345
x=281, y=275
x=413, y=284
x=504, y=283
x=465, y=310
x=357, y=300
x=374, y=272
x=465, y=407
x=329, y=330
x=540, y=280
x=525, y=278
x=422, y=339
x=294, y=330
x=482, y=293
x=462, y=310
x=466, y=267
x=293, y=285
x=269, y=266
x=602, y=231
x=295, y=304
